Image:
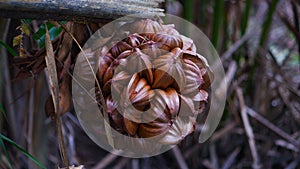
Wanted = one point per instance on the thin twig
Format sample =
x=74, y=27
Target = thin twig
x=105, y=115
x=285, y=98
x=207, y=164
x=7, y=82
x=231, y=159
x=181, y=162
x=231, y=72
x=293, y=164
x=213, y=155
x=285, y=78
x=287, y=145
x=54, y=89
x=121, y=163
x=244, y=38
x=107, y=160
x=193, y=149
x=235, y=46
x=248, y=129
x=226, y=80
x=71, y=142
x=272, y=127
x=30, y=124
x=135, y=164
x=222, y=132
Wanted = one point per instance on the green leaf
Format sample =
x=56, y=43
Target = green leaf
x=26, y=21
x=5, y=152
x=3, y=111
x=8, y=48
x=218, y=20
x=245, y=17
x=188, y=10
x=39, y=36
x=267, y=23
x=23, y=151
x=26, y=29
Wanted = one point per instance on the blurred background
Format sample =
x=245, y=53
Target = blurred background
x=258, y=42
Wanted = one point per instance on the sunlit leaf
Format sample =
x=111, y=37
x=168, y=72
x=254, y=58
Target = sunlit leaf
x=17, y=40
x=25, y=29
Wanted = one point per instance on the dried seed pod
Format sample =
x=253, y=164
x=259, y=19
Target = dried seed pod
x=172, y=41
x=146, y=26
x=169, y=70
x=157, y=81
x=118, y=48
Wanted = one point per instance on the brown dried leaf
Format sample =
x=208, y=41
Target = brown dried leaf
x=66, y=46
x=52, y=76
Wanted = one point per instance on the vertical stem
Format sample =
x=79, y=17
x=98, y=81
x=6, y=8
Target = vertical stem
x=188, y=10
x=218, y=15
x=15, y=127
x=248, y=129
x=245, y=17
x=54, y=88
x=267, y=23
x=188, y=14
x=179, y=157
x=30, y=124
x=61, y=141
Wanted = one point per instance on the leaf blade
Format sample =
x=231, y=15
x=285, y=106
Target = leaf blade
x=22, y=150
x=217, y=21
x=51, y=66
x=8, y=48
x=5, y=152
x=3, y=111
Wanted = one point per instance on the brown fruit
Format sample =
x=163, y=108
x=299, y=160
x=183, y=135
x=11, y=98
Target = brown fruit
x=154, y=82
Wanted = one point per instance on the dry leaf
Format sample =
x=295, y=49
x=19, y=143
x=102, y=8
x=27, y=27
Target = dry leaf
x=54, y=89
x=52, y=74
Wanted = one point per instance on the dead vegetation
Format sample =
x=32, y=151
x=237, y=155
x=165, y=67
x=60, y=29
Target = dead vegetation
x=258, y=42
